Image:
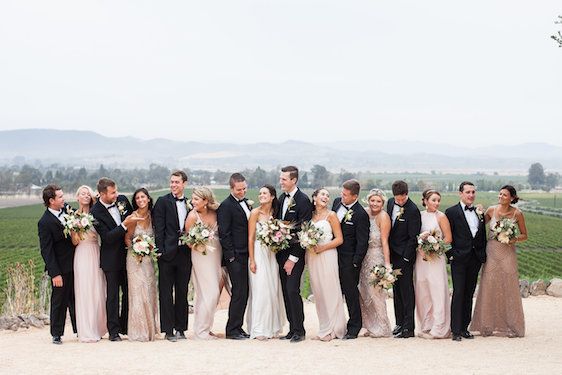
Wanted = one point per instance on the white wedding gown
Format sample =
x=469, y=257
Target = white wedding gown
x=266, y=312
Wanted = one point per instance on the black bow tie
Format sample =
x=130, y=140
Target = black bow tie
x=111, y=206
x=399, y=205
x=242, y=200
x=469, y=208
x=180, y=199
x=344, y=206
x=60, y=213
x=287, y=195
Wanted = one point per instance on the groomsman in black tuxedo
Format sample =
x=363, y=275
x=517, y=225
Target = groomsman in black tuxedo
x=232, y=218
x=58, y=253
x=406, y=226
x=355, y=228
x=468, y=252
x=294, y=208
x=174, y=263
x=112, y=213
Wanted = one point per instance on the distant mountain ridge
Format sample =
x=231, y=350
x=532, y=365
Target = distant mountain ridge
x=90, y=149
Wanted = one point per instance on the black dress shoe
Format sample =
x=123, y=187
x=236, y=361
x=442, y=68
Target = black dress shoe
x=297, y=338
x=244, y=334
x=467, y=335
x=456, y=337
x=114, y=337
x=397, y=330
x=349, y=336
x=57, y=340
x=287, y=337
x=171, y=338
x=236, y=336
x=180, y=335
x=404, y=334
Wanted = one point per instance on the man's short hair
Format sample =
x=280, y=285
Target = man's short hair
x=353, y=186
x=50, y=191
x=399, y=188
x=293, y=171
x=181, y=174
x=236, y=177
x=104, y=183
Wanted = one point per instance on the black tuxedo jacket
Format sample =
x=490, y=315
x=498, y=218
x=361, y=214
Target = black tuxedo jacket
x=355, y=232
x=463, y=242
x=403, y=239
x=300, y=212
x=57, y=251
x=167, y=227
x=113, y=252
x=233, y=228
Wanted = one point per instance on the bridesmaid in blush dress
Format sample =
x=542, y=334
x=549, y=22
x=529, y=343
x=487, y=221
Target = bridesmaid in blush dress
x=373, y=298
x=433, y=306
x=89, y=279
x=142, y=323
x=207, y=271
x=322, y=262
x=499, y=310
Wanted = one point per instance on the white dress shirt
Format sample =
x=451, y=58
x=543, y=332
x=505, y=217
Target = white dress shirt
x=471, y=219
x=395, y=212
x=114, y=212
x=181, y=208
x=342, y=210
x=58, y=215
x=287, y=200
x=244, y=204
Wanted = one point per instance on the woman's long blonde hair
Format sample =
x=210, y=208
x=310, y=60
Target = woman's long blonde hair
x=207, y=194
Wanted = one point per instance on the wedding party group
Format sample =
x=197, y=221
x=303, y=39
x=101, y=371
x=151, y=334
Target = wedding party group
x=102, y=257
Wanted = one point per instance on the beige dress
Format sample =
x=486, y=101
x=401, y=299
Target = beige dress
x=499, y=309
x=433, y=304
x=325, y=284
x=143, y=305
x=207, y=275
x=373, y=299
x=89, y=290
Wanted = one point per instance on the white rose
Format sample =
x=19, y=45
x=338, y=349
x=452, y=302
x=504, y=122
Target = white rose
x=138, y=247
x=205, y=233
x=431, y=240
x=503, y=238
x=85, y=222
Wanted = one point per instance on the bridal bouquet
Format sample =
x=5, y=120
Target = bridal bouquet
x=143, y=245
x=274, y=234
x=309, y=235
x=198, y=238
x=431, y=244
x=383, y=277
x=504, y=230
x=79, y=222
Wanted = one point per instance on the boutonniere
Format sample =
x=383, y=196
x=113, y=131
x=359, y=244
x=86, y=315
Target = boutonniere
x=188, y=205
x=121, y=207
x=291, y=204
x=400, y=213
x=348, y=215
x=250, y=203
x=479, y=211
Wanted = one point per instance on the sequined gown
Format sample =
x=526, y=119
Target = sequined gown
x=499, y=309
x=143, y=320
x=373, y=299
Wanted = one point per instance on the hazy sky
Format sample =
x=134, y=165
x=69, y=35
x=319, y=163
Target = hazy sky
x=480, y=72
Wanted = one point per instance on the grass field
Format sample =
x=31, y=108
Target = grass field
x=539, y=257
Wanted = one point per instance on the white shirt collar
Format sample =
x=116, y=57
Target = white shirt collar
x=350, y=205
x=294, y=191
x=54, y=212
x=107, y=205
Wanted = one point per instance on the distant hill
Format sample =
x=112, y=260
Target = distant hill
x=90, y=149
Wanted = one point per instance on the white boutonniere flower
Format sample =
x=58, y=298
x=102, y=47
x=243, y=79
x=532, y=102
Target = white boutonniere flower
x=188, y=205
x=250, y=203
x=292, y=204
x=348, y=215
x=400, y=213
x=121, y=207
x=479, y=211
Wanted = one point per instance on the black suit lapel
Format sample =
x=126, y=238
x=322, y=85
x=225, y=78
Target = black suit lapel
x=105, y=212
x=463, y=219
x=239, y=206
x=55, y=219
x=174, y=207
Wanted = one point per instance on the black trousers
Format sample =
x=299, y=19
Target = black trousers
x=290, y=284
x=61, y=299
x=465, y=277
x=349, y=281
x=404, y=298
x=117, y=304
x=238, y=273
x=173, y=281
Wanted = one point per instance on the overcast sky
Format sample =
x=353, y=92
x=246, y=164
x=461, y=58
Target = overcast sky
x=479, y=72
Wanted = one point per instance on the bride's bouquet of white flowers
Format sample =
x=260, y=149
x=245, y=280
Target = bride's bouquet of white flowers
x=78, y=222
x=383, y=277
x=143, y=245
x=309, y=235
x=274, y=234
x=198, y=238
x=431, y=244
x=505, y=229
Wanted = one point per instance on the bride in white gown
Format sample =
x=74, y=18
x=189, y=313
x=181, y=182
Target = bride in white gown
x=266, y=314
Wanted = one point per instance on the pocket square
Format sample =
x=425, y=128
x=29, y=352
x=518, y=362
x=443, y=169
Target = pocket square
x=293, y=211
x=401, y=219
x=348, y=223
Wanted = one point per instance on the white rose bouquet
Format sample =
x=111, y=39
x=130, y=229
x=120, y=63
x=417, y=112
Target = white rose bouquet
x=504, y=230
x=198, y=238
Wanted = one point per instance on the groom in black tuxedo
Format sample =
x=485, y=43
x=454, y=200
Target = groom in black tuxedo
x=468, y=252
x=112, y=213
x=406, y=226
x=174, y=263
x=355, y=228
x=232, y=218
x=58, y=253
x=294, y=208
